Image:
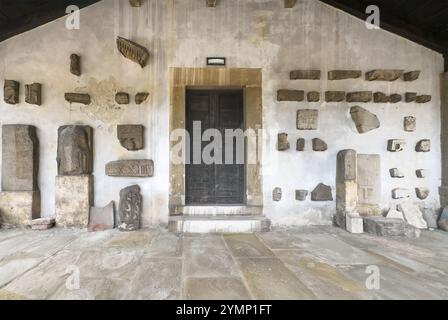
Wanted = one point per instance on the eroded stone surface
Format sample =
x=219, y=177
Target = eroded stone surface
x=101, y=219
x=19, y=208
x=334, y=96
x=130, y=168
x=131, y=136
x=122, y=98
x=364, y=120
x=301, y=195
x=75, y=64
x=412, y=214
x=422, y=193
x=277, y=194
x=379, y=97
x=82, y=98
x=410, y=124
x=282, y=142
x=411, y=75
x=423, y=98
x=423, y=146
x=313, y=96
x=395, y=145
x=344, y=74
x=141, y=97
x=290, y=95
x=395, y=98
x=307, y=119
x=305, y=75
x=396, y=173
x=369, y=184
x=300, y=144
x=383, y=75
x=11, y=92
x=410, y=96
x=43, y=223
x=360, y=96
x=133, y=51
x=319, y=145
x=322, y=193
x=75, y=150
x=130, y=208
x=384, y=227
x=33, y=93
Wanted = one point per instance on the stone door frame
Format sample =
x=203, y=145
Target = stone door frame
x=250, y=80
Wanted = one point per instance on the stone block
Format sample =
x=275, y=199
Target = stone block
x=74, y=197
x=11, y=92
x=334, y=96
x=423, y=146
x=400, y=193
x=307, y=119
x=423, y=98
x=19, y=208
x=282, y=142
x=369, y=184
x=395, y=145
x=410, y=124
x=379, y=97
x=290, y=95
x=82, y=98
x=75, y=150
x=33, y=93
x=442, y=223
x=301, y=195
x=141, y=97
x=133, y=51
x=130, y=168
x=290, y=3
x=364, y=120
x=75, y=64
x=395, y=98
x=20, y=158
x=313, y=96
x=319, y=145
x=322, y=193
x=384, y=75
x=410, y=96
x=422, y=193
x=304, y=75
x=422, y=173
x=102, y=218
x=277, y=194
x=131, y=136
x=43, y=223
x=354, y=223
x=122, y=98
x=394, y=214
x=396, y=173
x=344, y=74
x=300, y=145
x=412, y=215
x=130, y=208
x=411, y=76
x=360, y=96
x=384, y=227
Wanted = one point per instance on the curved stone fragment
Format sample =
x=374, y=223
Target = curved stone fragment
x=410, y=96
x=133, y=51
x=290, y=95
x=364, y=120
x=384, y=75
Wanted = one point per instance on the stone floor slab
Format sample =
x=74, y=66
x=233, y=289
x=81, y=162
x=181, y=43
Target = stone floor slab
x=247, y=246
x=215, y=289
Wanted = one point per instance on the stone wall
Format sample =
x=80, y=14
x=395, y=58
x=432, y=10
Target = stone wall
x=250, y=34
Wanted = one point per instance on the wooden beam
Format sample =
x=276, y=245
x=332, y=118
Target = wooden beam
x=290, y=3
x=211, y=3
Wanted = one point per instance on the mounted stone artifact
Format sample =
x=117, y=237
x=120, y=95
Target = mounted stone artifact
x=75, y=150
x=133, y=51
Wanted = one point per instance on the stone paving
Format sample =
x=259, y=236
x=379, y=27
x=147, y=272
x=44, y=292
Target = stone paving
x=300, y=263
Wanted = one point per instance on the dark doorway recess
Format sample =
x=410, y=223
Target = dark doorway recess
x=220, y=184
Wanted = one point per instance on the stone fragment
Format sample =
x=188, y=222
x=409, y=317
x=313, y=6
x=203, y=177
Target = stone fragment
x=131, y=136
x=423, y=146
x=73, y=199
x=300, y=145
x=122, y=98
x=282, y=142
x=395, y=173
x=322, y=193
x=395, y=98
x=290, y=95
x=75, y=150
x=354, y=223
x=423, y=98
x=344, y=74
x=101, y=219
x=400, y=193
x=277, y=194
x=305, y=75
x=384, y=227
x=319, y=145
x=334, y=96
x=364, y=120
x=411, y=76
x=141, y=97
x=75, y=64
x=383, y=75
x=395, y=145
x=410, y=124
x=369, y=184
x=130, y=208
x=430, y=216
x=422, y=193
x=130, y=168
x=307, y=119
x=394, y=214
x=42, y=223
x=422, y=173
x=313, y=96
x=379, y=97
x=20, y=158
x=82, y=98
x=135, y=3
x=133, y=51
x=410, y=96
x=19, y=208
x=346, y=167
x=290, y=3
x=412, y=215
x=346, y=184
x=301, y=195
x=360, y=96
x=443, y=220
x=11, y=92
x=211, y=3
x=33, y=93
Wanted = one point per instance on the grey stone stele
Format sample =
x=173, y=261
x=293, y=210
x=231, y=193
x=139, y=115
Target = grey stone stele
x=133, y=51
x=75, y=150
x=74, y=97
x=131, y=136
x=130, y=208
x=130, y=168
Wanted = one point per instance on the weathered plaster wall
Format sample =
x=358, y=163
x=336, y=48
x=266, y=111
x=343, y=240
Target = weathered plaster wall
x=251, y=34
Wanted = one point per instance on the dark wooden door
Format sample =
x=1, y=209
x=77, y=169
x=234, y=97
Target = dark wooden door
x=215, y=183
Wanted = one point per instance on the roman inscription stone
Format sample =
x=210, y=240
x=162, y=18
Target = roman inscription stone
x=423, y=98
x=133, y=51
x=141, y=97
x=11, y=92
x=305, y=75
x=122, y=98
x=290, y=95
x=344, y=74
x=379, y=97
x=301, y=195
x=135, y=3
x=423, y=146
x=395, y=145
x=410, y=96
x=369, y=184
x=319, y=145
x=130, y=168
x=334, y=96
x=277, y=194
x=422, y=193
x=33, y=93
x=75, y=150
x=290, y=3
x=395, y=173
x=300, y=145
x=75, y=64
x=313, y=96
x=307, y=119
x=395, y=98
x=131, y=136
x=322, y=193
x=422, y=173
x=411, y=76
x=130, y=208
x=384, y=75
x=364, y=120
x=82, y=98
x=361, y=96
x=101, y=219
x=410, y=124
x=282, y=142
x=20, y=158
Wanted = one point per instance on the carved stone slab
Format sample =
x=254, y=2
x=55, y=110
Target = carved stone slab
x=334, y=96
x=313, y=96
x=379, y=97
x=282, y=142
x=20, y=158
x=33, y=93
x=319, y=145
x=11, y=92
x=384, y=75
x=133, y=51
x=344, y=74
x=369, y=183
x=75, y=150
x=141, y=97
x=410, y=124
x=75, y=64
x=135, y=3
x=300, y=144
x=395, y=98
x=122, y=98
x=130, y=168
x=290, y=3
x=82, y=98
x=425, y=98
x=131, y=136
x=130, y=208
x=290, y=95
x=422, y=193
x=410, y=96
x=360, y=96
x=411, y=76
x=305, y=75
x=307, y=119
x=301, y=195
x=364, y=120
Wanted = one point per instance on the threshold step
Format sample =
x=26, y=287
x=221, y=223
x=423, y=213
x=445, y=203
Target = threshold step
x=218, y=224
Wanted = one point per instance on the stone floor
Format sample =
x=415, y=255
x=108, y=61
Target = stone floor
x=301, y=263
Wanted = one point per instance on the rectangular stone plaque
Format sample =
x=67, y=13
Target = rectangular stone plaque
x=307, y=119
x=130, y=136
x=130, y=168
x=369, y=183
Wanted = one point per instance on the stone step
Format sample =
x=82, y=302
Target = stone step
x=217, y=210
x=218, y=224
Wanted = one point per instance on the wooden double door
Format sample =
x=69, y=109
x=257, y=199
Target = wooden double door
x=214, y=183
